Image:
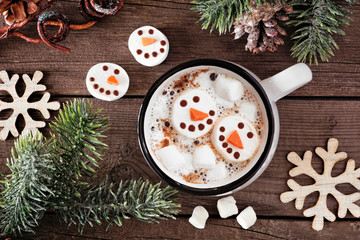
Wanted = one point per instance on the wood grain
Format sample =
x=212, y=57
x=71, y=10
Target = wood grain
x=264, y=228
x=107, y=42
x=327, y=107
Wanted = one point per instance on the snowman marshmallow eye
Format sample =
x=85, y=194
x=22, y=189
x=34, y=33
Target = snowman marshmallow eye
x=241, y=126
x=183, y=103
x=193, y=113
x=107, y=81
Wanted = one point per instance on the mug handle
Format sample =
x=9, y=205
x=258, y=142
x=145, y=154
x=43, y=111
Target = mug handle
x=287, y=81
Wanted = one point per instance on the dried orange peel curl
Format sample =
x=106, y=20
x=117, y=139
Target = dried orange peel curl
x=64, y=28
x=96, y=9
x=92, y=10
x=73, y=26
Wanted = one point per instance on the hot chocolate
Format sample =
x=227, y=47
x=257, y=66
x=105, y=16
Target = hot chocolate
x=205, y=127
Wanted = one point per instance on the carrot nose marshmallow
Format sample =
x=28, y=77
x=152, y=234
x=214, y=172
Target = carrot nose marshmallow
x=235, y=138
x=112, y=80
x=149, y=46
x=197, y=115
x=193, y=113
x=107, y=81
x=147, y=41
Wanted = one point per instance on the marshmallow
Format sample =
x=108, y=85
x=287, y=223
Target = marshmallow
x=246, y=218
x=171, y=157
x=199, y=217
x=249, y=111
x=193, y=113
x=235, y=138
x=107, y=81
x=187, y=168
x=228, y=88
x=218, y=172
x=227, y=207
x=149, y=46
x=204, y=157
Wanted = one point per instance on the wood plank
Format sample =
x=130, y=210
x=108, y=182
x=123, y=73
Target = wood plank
x=215, y=229
x=304, y=125
x=107, y=42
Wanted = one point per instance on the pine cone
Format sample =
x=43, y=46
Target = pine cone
x=18, y=10
x=262, y=26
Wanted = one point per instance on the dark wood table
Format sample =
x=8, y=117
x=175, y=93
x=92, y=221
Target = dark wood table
x=327, y=107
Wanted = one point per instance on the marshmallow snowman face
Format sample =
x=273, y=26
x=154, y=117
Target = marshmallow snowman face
x=107, y=81
x=235, y=138
x=149, y=46
x=193, y=113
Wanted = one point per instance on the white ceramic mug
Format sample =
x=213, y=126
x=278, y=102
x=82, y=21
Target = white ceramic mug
x=267, y=91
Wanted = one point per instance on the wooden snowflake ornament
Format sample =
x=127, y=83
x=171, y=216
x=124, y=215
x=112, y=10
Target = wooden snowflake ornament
x=20, y=105
x=324, y=184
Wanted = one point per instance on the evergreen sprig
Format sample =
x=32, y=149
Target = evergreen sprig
x=316, y=21
x=25, y=192
x=51, y=173
x=221, y=14
x=77, y=132
x=112, y=202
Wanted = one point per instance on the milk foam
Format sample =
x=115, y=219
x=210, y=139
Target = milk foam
x=161, y=126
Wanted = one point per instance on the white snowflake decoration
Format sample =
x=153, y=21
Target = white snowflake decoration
x=324, y=184
x=20, y=105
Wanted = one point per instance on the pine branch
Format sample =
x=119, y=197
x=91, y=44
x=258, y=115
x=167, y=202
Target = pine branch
x=25, y=192
x=113, y=202
x=221, y=14
x=316, y=22
x=45, y=174
x=77, y=133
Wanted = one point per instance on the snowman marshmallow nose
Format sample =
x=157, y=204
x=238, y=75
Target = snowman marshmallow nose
x=197, y=115
x=112, y=80
x=147, y=41
x=235, y=140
